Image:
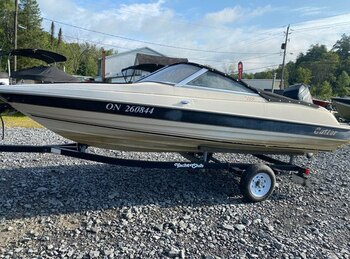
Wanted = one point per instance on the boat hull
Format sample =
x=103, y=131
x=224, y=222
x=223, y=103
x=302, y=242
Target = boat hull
x=343, y=107
x=133, y=133
x=127, y=118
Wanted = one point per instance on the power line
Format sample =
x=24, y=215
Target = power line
x=209, y=60
x=325, y=26
x=275, y=65
x=201, y=59
x=149, y=42
x=96, y=42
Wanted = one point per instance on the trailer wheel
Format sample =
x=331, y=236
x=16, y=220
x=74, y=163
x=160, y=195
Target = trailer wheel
x=257, y=182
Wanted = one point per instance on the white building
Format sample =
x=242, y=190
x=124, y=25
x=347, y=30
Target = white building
x=114, y=64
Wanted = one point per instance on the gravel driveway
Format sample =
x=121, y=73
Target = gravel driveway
x=58, y=207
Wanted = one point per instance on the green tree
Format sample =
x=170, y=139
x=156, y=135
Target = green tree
x=59, y=38
x=30, y=19
x=32, y=35
x=303, y=75
x=268, y=74
x=314, y=53
x=247, y=76
x=344, y=66
x=343, y=84
x=324, y=91
x=342, y=47
x=7, y=8
x=289, y=75
x=322, y=64
x=229, y=70
x=52, y=33
x=82, y=58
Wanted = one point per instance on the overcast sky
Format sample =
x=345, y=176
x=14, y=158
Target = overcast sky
x=218, y=33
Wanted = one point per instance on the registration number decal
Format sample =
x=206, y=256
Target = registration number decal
x=129, y=108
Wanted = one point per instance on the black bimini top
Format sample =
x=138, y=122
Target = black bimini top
x=196, y=75
x=47, y=56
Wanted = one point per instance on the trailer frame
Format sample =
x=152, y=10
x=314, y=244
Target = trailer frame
x=257, y=174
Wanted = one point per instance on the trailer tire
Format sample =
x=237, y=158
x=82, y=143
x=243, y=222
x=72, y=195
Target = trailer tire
x=257, y=182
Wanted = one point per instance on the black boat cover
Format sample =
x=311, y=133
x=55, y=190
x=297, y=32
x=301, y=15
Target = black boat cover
x=45, y=75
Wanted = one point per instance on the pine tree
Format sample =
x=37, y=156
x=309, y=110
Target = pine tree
x=6, y=24
x=29, y=15
x=326, y=90
x=59, y=41
x=342, y=47
x=32, y=35
x=343, y=84
x=52, y=33
x=303, y=75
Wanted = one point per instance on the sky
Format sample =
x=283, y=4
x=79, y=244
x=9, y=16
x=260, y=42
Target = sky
x=217, y=33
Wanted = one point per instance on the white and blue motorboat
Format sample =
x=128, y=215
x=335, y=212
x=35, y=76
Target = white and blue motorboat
x=183, y=107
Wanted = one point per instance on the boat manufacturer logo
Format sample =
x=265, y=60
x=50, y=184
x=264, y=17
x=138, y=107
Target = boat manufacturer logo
x=188, y=165
x=327, y=132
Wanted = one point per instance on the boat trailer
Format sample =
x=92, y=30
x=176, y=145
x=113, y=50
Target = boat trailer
x=257, y=180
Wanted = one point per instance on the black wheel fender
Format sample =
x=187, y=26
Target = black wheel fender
x=263, y=180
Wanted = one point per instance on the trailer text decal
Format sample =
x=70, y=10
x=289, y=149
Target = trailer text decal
x=188, y=165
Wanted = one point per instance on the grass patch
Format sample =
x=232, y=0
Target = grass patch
x=22, y=121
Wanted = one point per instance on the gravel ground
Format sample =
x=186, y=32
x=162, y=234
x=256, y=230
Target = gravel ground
x=58, y=207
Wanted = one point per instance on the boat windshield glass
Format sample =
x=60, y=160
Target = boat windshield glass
x=173, y=74
x=217, y=81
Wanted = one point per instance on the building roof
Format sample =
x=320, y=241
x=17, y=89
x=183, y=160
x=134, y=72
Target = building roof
x=139, y=50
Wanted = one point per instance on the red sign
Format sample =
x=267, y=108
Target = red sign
x=240, y=70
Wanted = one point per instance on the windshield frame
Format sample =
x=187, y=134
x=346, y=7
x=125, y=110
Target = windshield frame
x=192, y=77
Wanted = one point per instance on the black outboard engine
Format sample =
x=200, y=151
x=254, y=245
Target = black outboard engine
x=299, y=92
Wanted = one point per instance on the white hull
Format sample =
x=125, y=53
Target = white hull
x=142, y=132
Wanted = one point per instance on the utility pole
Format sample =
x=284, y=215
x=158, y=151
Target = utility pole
x=284, y=47
x=273, y=82
x=15, y=26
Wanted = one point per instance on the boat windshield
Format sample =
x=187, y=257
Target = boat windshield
x=172, y=74
x=217, y=81
x=192, y=75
